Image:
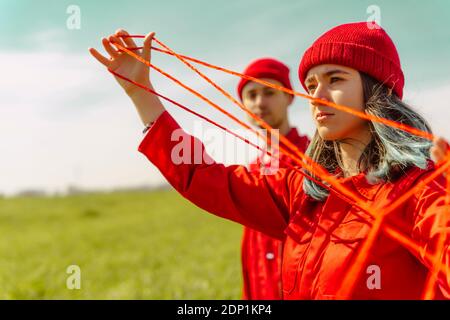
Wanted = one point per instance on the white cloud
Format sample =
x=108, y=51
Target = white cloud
x=52, y=134
x=47, y=39
x=64, y=120
x=434, y=104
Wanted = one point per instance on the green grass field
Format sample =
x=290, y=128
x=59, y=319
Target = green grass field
x=129, y=245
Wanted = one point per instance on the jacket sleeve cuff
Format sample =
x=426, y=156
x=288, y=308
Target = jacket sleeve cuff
x=162, y=126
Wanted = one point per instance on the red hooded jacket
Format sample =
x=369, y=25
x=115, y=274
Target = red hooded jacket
x=321, y=238
x=261, y=254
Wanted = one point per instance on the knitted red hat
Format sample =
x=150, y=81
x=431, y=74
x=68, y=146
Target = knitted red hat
x=362, y=46
x=266, y=68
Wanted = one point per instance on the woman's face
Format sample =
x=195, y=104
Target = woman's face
x=343, y=86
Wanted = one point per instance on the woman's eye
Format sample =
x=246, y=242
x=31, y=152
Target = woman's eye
x=334, y=79
x=269, y=93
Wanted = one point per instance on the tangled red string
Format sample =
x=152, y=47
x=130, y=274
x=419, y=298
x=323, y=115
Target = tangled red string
x=329, y=181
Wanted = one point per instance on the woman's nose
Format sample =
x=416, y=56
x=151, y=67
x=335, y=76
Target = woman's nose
x=321, y=93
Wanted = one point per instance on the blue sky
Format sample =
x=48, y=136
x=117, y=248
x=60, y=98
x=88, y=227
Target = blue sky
x=64, y=120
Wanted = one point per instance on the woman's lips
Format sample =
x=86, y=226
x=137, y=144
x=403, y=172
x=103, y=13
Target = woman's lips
x=320, y=116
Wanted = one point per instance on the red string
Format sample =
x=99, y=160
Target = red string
x=387, y=228
x=432, y=278
x=231, y=132
x=350, y=280
x=401, y=126
x=310, y=165
x=378, y=224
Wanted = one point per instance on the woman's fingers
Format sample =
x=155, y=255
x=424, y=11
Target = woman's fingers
x=441, y=144
x=439, y=150
x=117, y=41
x=114, y=52
x=100, y=58
x=147, y=46
x=436, y=155
x=129, y=42
x=109, y=48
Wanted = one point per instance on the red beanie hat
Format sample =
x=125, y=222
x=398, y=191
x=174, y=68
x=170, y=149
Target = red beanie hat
x=266, y=68
x=363, y=46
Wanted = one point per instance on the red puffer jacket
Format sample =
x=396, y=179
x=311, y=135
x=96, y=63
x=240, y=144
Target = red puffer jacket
x=321, y=238
x=261, y=254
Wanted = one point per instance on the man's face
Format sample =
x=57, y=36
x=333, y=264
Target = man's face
x=267, y=103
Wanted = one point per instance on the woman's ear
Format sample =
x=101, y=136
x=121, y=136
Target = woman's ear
x=389, y=92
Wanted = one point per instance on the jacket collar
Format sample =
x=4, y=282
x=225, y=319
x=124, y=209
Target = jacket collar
x=365, y=188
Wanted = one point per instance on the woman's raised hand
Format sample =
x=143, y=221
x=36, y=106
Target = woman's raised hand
x=124, y=64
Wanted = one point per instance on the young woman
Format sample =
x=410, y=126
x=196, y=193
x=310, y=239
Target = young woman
x=351, y=65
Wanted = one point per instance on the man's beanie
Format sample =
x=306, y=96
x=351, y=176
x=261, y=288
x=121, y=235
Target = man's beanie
x=266, y=68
